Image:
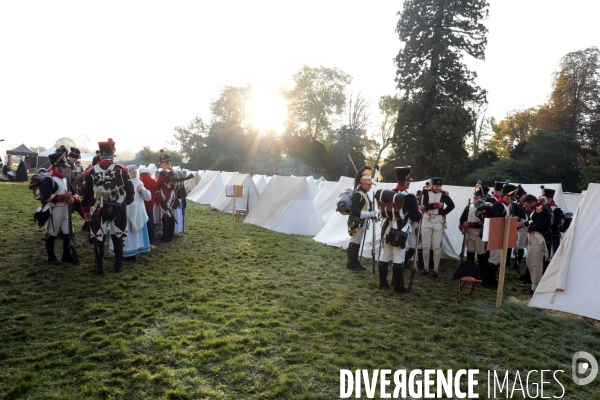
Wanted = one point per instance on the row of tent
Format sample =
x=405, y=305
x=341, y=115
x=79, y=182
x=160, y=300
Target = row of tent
x=305, y=206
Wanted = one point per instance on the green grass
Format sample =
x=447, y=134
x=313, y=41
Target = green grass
x=230, y=310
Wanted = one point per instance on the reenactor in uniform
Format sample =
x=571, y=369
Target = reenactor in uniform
x=108, y=191
x=539, y=228
x=557, y=216
x=519, y=211
x=96, y=158
x=497, y=193
x=56, y=194
x=500, y=209
x=437, y=204
x=362, y=208
x=471, y=226
x=396, y=254
x=167, y=197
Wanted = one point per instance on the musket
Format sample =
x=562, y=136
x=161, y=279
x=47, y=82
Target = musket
x=373, y=243
x=350, y=158
x=72, y=249
x=464, y=241
x=418, y=234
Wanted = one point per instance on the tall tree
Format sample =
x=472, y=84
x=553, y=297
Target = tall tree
x=191, y=142
x=230, y=106
x=356, y=115
x=317, y=96
x=388, y=107
x=574, y=106
x=438, y=90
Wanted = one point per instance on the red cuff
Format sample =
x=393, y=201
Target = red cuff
x=85, y=210
x=60, y=198
x=129, y=202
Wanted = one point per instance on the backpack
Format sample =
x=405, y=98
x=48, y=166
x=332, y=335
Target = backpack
x=565, y=222
x=344, y=203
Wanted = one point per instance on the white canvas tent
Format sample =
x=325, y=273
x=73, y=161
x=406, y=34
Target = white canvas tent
x=208, y=189
x=152, y=168
x=572, y=281
x=327, y=197
x=225, y=204
x=572, y=200
x=190, y=184
x=286, y=206
x=261, y=184
x=312, y=186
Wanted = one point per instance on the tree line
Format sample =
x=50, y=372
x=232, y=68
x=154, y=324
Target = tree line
x=436, y=121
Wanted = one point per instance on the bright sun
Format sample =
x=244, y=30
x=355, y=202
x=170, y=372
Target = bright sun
x=267, y=110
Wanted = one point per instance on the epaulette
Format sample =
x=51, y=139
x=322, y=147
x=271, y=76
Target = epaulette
x=124, y=168
x=445, y=193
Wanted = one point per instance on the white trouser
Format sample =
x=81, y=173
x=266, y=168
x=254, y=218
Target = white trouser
x=535, y=257
x=58, y=221
x=358, y=236
x=432, y=232
x=474, y=243
x=395, y=254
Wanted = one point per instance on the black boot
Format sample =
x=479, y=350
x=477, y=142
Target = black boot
x=66, y=256
x=481, y=259
x=50, y=250
x=398, y=271
x=349, y=252
x=470, y=256
x=118, y=247
x=99, y=254
x=408, y=255
x=431, y=263
x=355, y=264
x=420, y=262
x=383, y=272
x=546, y=263
x=492, y=269
x=526, y=277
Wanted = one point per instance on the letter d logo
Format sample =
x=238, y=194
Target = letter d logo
x=582, y=367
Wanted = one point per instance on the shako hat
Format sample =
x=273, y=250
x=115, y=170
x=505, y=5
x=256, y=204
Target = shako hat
x=164, y=157
x=480, y=189
x=547, y=192
x=520, y=191
x=58, y=159
x=74, y=153
x=107, y=148
x=437, y=181
x=509, y=190
x=403, y=173
x=498, y=185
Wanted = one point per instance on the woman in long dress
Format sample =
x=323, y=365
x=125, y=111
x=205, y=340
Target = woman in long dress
x=137, y=240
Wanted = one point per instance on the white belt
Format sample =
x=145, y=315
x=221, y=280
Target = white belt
x=434, y=215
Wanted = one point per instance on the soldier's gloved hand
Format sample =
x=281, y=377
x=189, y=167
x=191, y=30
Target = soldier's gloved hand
x=422, y=208
x=368, y=214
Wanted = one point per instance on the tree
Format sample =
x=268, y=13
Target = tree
x=481, y=130
x=554, y=156
x=439, y=92
x=591, y=172
x=499, y=143
x=146, y=156
x=357, y=114
x=346, y=140
x=230, y=106
x=317, y=96
x=65, y=141
x=388, y=107
x=574, y=106
x=191, y=142
x=521, y=171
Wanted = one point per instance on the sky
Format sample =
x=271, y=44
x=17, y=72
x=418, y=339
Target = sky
x=133, y=70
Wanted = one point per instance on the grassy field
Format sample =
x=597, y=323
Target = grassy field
x=233, y=311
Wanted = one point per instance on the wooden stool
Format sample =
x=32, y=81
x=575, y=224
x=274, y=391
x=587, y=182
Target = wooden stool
x=463, y=281
x=240, y=212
